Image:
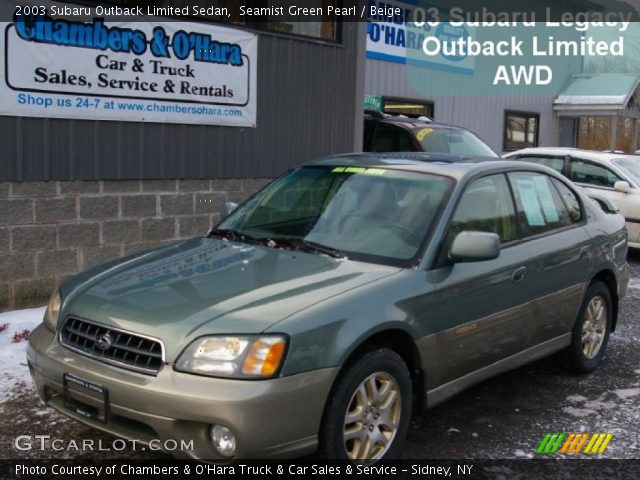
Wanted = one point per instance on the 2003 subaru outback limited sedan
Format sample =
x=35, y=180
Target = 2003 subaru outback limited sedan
x=340, y=300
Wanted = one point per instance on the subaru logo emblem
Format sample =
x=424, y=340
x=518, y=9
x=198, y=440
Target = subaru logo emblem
x=103, y=342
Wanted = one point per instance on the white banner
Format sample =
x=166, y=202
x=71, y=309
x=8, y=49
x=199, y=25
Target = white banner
x=170, y=72
x=399, y=39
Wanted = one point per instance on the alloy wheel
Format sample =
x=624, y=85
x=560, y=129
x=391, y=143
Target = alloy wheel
x=372, y=417
x=594, y=326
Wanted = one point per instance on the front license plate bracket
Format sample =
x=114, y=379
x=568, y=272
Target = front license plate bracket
x=93, y=389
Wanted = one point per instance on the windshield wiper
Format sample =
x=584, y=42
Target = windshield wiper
x=308, y=245
x=291, y=242
x=233, y=235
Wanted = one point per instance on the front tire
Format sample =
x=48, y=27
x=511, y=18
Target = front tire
x=368, y=413
x=591, y=331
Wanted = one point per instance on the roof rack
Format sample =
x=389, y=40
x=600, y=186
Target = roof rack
x=390, y=116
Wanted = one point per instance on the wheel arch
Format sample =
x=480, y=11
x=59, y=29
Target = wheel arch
x=402, y=343
x=609, y=279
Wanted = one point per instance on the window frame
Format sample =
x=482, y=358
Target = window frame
x=510, y=194
x=582, y=212
x=527, y=116
x=521, y=235
x=441, y=258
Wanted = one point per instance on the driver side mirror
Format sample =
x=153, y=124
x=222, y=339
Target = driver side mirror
x=474, y=247
x=622, y=186
x=227, y=208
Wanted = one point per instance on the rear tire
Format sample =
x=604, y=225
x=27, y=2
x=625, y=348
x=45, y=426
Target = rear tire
x=590, y=334
x=369, y=410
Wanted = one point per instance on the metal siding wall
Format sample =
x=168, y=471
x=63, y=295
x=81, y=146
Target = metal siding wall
x=305, y=110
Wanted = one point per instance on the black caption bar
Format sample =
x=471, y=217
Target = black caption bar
x=321, y=470
x=408, y=11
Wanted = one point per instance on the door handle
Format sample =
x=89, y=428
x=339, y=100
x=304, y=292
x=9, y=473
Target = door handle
x=518, y=274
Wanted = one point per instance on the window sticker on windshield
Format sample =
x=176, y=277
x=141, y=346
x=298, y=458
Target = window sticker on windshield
x=423, y=133
x=530, y=203
x=546, y=199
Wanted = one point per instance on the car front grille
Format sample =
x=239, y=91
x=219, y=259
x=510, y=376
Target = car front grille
x=111, y=345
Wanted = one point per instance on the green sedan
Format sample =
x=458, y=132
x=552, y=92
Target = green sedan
x=343, y=299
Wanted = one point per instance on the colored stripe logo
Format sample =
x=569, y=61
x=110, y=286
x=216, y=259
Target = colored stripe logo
x=574, y=443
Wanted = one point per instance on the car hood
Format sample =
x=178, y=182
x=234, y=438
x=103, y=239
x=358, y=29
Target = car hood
x=208, y=285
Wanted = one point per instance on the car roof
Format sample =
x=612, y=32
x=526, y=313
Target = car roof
x=457, y=166
x=594, y=155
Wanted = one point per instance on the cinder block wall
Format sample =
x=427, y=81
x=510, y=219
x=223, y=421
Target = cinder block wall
x=50, y=230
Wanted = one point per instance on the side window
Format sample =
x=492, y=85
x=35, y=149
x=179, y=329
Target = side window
x=485, y=206
x=392, y=139
x=557, y=163
x=570, y=200
x=539, y=206
x=592, y=174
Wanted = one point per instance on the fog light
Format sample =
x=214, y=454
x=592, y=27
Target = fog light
x=223, y=440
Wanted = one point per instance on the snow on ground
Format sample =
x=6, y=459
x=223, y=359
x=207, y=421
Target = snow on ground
x=13, y=354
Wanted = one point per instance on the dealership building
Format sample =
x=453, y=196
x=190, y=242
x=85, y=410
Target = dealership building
x=122, y=135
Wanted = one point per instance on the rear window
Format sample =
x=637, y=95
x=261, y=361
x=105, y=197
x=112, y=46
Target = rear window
x=454, y=141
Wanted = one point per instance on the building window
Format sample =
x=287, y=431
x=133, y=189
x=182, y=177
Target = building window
x=520, y=130
x=410, y=108
x=324, y=29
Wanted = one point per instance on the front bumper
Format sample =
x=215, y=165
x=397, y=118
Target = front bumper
x=270, y=418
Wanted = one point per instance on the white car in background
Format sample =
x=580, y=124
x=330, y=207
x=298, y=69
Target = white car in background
x=613, y=176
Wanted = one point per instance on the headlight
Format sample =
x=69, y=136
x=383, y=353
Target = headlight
x=52, y=312
x=234, y=356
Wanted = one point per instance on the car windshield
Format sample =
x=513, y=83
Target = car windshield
x=455, y=141
x=368, y=214
x=631, y=166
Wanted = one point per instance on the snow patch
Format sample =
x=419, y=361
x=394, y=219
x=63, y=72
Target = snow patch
x=576, y=398
x=13, y=356
x=634, y=288
x=598, y=405
x=625, y=393
x=579, y=412
x=522, y=454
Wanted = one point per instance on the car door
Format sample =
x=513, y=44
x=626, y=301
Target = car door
x=600, y=180
x=550, y=224
x=479, y=309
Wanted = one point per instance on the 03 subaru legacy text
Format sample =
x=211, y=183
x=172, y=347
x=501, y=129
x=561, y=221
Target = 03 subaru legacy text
x=341, y=300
